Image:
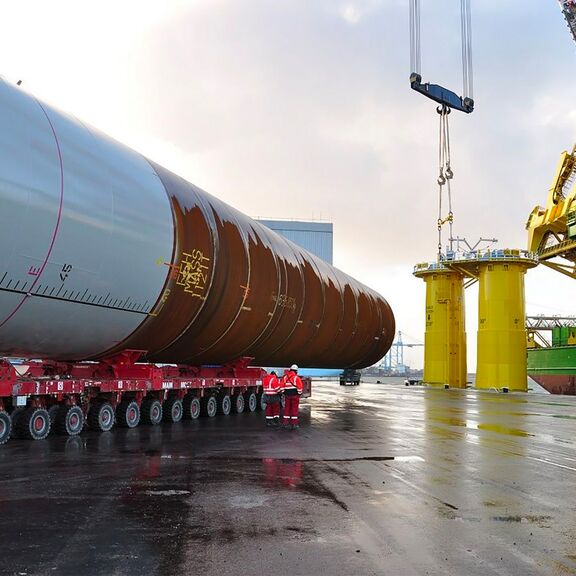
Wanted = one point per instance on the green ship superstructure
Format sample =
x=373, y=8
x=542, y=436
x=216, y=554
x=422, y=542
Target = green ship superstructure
x=554, y=366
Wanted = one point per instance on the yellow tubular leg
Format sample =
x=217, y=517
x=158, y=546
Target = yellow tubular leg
x=501, y=327
x=445, y=337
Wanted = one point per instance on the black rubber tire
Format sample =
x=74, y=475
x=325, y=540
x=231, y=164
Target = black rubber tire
x=33, y=424
x=251, y=401
x=239, y=403
x=192, y=407
x=224, y=405
x=14, y=416
x=209, y=406
x=69, y=420
x=260, y=405
x=151, y=411
x=101, y=416
x=5, y=427
x=128, y=414
x=173, y=410
x=53, y=413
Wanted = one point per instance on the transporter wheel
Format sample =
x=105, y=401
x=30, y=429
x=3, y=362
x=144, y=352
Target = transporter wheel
x=14, y=417
x=34, y=424
x=69, y=420
x=5, y=426
x=191, y=406
x=101, y=416
x=260, y=402
x=151, y=411
x=53, y=413
x=224, y=405
x=209, y=406
x=239, y=403
x=128, y=414
x=172, y=410
x=251, y=401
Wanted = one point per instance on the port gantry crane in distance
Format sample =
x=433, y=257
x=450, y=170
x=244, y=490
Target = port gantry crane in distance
x=552, y=229
x=394, y=359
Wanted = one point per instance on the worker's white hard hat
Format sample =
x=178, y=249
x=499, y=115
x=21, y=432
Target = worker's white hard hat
x=294, y=367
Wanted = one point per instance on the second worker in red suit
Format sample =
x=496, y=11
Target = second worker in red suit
x=292, y=384
x=272, y=389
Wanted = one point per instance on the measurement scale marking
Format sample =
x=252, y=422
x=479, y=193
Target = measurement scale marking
x=62, y=299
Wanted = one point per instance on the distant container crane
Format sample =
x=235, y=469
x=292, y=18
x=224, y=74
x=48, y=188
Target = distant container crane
x=393, y=362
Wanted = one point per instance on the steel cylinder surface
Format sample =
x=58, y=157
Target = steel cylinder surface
x=103, y=250
x=502, y=327
x=445, y=336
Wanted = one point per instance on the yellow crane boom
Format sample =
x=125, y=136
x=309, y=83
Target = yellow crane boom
x=552, y=229
x=568, y=8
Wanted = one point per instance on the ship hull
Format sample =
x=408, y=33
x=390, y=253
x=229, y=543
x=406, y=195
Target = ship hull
x=554, y=368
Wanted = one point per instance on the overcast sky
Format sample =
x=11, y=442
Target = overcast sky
x=302, y=109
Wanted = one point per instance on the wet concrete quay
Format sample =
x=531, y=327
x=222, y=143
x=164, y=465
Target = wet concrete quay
x=381, y=479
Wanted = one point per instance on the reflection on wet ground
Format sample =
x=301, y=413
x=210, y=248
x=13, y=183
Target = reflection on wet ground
x=379, y=479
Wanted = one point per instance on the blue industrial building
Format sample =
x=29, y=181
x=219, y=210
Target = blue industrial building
x=316, y=237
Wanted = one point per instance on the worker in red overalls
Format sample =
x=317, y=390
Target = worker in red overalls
x=272, y=389
x=292, y=384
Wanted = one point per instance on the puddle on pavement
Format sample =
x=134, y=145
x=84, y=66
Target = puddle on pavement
x=449, y=421
x=166, y=492
x=498, y=428
x=312, y=485
x=492, y=504
x=528, y=519
x=408, y=458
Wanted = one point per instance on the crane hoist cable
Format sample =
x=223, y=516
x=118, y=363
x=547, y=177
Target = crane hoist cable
x=443, y=96
x=445, y=175
x=466, y=32
x=447, y=100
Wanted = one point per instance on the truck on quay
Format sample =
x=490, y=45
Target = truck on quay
x=41, y=396
x=350, y=376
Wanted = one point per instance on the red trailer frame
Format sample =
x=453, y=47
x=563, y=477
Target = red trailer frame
x=40, y=396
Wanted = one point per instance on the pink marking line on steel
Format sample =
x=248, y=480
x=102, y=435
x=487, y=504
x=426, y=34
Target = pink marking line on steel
x=56, y=228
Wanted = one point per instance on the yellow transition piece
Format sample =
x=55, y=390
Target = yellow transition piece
x=501, y=326
x=445, y=337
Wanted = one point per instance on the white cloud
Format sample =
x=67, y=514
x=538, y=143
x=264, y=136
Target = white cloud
x=350, y=12
x=355, y=10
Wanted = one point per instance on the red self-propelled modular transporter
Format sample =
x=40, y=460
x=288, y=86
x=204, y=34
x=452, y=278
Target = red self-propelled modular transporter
x=142, y=298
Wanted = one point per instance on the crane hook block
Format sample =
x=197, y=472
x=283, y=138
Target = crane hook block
x=441, y=95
